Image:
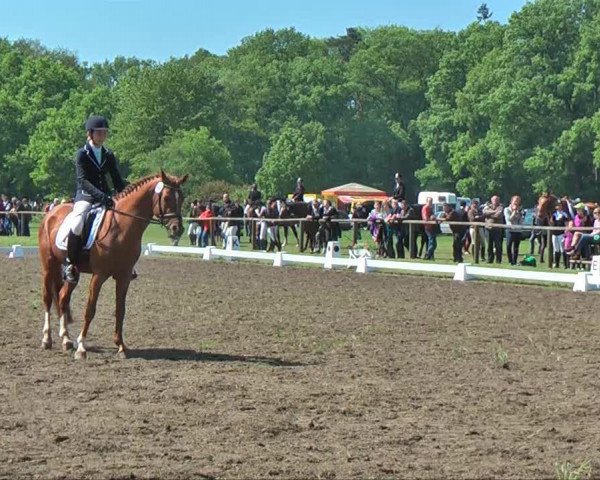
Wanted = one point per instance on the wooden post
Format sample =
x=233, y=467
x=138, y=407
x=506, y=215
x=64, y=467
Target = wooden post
x=301, y=236
x=211, y=231
x=411, y=241
x=549, y=248
x=354, y=234
x=253, y=233
x=477, y=243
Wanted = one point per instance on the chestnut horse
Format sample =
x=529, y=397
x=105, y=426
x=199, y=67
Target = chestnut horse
x=114, y=253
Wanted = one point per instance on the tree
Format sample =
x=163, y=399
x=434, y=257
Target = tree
x=193, y=152
x=296, y=152
x=154, y=101
x=483, y=13
x=49, y=154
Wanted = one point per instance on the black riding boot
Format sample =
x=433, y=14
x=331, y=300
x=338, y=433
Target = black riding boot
x=556, y=259
x=565, y=258
x=71, y=273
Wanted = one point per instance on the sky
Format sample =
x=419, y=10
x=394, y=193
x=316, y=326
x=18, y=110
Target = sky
x=101, y=30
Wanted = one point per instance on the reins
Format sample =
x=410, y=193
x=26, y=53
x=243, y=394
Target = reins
x=162, y=217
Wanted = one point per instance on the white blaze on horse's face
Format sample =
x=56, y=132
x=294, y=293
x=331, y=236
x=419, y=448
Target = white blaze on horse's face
x=168, y=207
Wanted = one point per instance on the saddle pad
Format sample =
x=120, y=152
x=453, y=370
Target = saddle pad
x=63, y=230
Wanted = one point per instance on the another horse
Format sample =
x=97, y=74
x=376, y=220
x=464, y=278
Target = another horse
x=292, y=210
x=546, y=206
x=113, y=254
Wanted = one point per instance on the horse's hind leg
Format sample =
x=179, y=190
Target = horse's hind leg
x=90, y=310
x=48, y=295
x=64, y=313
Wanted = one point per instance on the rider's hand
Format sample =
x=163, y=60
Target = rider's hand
x=109, y=202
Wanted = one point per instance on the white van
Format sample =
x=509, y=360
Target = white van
x=439, y=198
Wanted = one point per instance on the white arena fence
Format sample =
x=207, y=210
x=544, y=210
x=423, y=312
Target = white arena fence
x=362, y=263
x=581, y=282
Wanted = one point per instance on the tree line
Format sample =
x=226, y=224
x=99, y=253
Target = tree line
x=494, y=108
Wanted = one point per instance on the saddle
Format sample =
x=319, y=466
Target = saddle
x=91, y=226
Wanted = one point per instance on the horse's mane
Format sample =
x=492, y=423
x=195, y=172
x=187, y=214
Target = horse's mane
x=132, y=187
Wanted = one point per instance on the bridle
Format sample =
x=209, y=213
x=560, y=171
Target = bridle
x=163, y=217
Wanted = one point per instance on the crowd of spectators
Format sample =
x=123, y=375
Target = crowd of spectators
x=13, y=217
x=384, y=222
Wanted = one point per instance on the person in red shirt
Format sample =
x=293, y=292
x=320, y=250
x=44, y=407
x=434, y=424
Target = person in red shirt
x=204, y=222
x=427, y=215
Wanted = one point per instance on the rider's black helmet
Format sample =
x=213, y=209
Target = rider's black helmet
x=96, y=122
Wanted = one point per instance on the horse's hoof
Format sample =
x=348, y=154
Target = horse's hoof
x=122, y=355
x=80, y=355
x=47, y=345
x=67, y=346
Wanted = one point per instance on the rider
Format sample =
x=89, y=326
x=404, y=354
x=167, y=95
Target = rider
x=93, y=161
x=298, y=195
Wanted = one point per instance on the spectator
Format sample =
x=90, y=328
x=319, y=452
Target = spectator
x=225, y=206
x=14, y=218
x=458, y=231
x=494, y=215
x=463, y=212
x=254, y=195
x=559, y=218
x=394, y=222
x=24, y=218
x=329, y=231
x=377, y=227
x=261, y=212
x=205, y=225
x=193, y=229
x=53, y=204
x=359, y=213
x=474, y=215
x=298, y=195
x=583, y=241
x=315, y=212
x=427, y=215
x=399, y=190
x=513, y=217
x=272, y=213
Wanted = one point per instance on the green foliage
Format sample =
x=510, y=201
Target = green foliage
x=569, y=471
x=50, y=153
x=501, y=357
x=193, y=152
x=489, y=109
x=296, y=152
x=214, y=190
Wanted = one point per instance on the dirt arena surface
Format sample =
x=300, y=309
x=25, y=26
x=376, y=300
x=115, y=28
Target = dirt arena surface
x=249, y=371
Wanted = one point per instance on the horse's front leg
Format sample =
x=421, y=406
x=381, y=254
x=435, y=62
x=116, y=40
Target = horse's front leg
x=295, y=232
x=122, y=286
x=90, y=310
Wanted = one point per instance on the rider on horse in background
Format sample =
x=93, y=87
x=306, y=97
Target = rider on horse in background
x=298, y=195
x=92, y=162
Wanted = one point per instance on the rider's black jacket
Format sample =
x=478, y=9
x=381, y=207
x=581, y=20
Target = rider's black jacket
x=91, y=175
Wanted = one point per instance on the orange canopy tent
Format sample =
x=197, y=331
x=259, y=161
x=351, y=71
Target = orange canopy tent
x=354, y=192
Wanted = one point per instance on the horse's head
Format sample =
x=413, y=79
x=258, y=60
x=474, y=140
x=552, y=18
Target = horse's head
x=167, y=203
x=546, y=205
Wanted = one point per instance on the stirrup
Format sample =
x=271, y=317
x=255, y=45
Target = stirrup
x=70, y=273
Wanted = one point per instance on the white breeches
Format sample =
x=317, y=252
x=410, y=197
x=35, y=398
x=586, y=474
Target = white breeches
x=557, y=243
x=77, y=216
x=262, y=234
x=273, y=234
